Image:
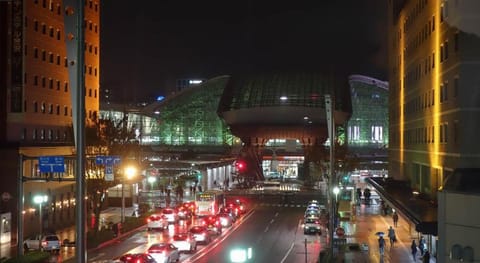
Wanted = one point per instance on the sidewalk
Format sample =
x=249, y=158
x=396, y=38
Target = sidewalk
x=362, y=230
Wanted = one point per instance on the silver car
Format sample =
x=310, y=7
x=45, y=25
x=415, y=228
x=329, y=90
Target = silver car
x=164, y=252
x=185, y=242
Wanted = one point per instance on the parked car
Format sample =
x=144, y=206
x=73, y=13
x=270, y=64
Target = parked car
x=49, y=242
x=164, y=252
x=137, y=258
x=312, y=226
x=157, y=221
x=201, y=234
x=184, y=242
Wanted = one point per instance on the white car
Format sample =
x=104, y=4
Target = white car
x=164, y=252
x=312, y=226
x=185, y=242
x=201, y=234
x=171, y=215
x=49, y=242
x=156, y=221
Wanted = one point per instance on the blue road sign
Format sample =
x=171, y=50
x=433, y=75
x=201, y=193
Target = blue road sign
x=51, y=164
x=107, y=160
x=108, y=173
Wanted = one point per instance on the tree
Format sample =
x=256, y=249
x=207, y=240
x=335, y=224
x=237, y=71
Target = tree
x=106, y=137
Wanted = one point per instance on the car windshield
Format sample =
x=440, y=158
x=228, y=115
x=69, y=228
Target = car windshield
x=157, y=247
x=51, y=238
x=311, y=221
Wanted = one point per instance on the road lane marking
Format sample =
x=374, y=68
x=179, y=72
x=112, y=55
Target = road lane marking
x=288, y=252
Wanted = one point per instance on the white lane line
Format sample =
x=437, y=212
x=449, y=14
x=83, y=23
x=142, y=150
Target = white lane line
x=288, y=252
x=266, y=230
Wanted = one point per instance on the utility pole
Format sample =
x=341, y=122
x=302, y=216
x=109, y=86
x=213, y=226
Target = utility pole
x=331, y=180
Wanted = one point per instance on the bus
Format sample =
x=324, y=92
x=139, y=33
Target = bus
x=209, y=202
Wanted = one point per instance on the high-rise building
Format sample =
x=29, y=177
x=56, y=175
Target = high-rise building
x=36, y=104
x=434, y=52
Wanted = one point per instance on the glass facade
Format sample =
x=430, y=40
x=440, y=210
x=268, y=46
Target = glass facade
x=368, y=126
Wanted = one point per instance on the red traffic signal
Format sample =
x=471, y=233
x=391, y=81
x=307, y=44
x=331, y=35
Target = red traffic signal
x=240, y=165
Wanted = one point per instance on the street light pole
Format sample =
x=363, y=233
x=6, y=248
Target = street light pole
x=40, y=199
x=329, y=101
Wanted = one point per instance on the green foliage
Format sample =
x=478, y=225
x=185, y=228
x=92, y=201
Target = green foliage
x=30, y=257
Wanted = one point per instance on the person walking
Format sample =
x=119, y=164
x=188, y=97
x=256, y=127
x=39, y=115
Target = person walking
x=395, y=219
x=381, y=245
x=426, y=257
x=414, y=250
x=421, y=245
x=391, y=236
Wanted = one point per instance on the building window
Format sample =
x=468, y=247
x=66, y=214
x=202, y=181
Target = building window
x=354, y=133
x=43, y=82
x=50, y=135
x=455, y=87
x=51, y=57
x=35, y=106
x=34, y=134
x=50, y=85
x=50, y=31
x=24, y=134
x=35, y=80
x=44, y=29
x=43, y=109
x=50, y=109
x=377, y=133
x=35, y=25
x=455, y=42
x=58, y=34
x=42, y=134
x=65, y=110
x=58, y=60
x=58, y=109
x=58, y=84
x=65, y=87
x=95, y=50
x=66, y=62
x=35, y=52
x=44, y=55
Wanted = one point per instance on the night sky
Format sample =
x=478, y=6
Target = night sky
x=147, y=45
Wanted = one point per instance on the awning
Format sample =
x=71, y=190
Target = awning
x=399, y=195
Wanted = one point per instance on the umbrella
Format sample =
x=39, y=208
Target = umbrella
x=380, y=233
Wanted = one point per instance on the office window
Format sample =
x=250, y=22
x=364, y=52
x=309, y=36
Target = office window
x=66, y=62
x=58, y=84
x=65, y=110
x=50, y=134
x=65, y=87
x=58, y=60
x=51, y=57
x=44, y=29
x=58, y=35
x=35, y=52
x=50, y=31
x=44, y=55
x=377, y=133
x=58, y=109
x=50, y=109
x=43, y=82
x=42, y=134
x=35, y=25
x=43, y=107
x=50, y=84
x=35, y=106
x=35, y=80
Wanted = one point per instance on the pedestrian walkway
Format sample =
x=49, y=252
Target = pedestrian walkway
x=363, y=229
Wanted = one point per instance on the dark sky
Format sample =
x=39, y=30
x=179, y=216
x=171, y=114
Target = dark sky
x=147, y=45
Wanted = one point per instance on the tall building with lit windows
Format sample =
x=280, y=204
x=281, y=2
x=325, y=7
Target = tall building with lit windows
x=35, y=101
x=434, y=77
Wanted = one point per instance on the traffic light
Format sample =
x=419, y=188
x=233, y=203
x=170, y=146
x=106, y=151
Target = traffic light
x=241, y=166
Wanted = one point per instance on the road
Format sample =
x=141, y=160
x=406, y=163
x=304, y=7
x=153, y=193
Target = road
x=274, y=232
x=272, y=227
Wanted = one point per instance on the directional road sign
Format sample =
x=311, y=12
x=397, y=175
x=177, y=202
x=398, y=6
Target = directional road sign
x=107, y=160
x=51, y=164
x=109, y=173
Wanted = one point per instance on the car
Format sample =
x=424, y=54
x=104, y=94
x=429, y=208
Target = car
x=137, y=258
x=313, y=202
x=164, y=252
x=170, y=214
x=157, y=221
x=184, y=242
x=201, y=234
x=242, y=207
x=213, y=224
x=230, y=211
x=48, y=242
x=184, y=213
x=226, y=219
x=312, y=226
x=314, y=213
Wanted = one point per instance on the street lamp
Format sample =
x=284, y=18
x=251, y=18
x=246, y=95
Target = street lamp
x=40, y=199
x=336, y=191
x=151, y=180
x=128, y=173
